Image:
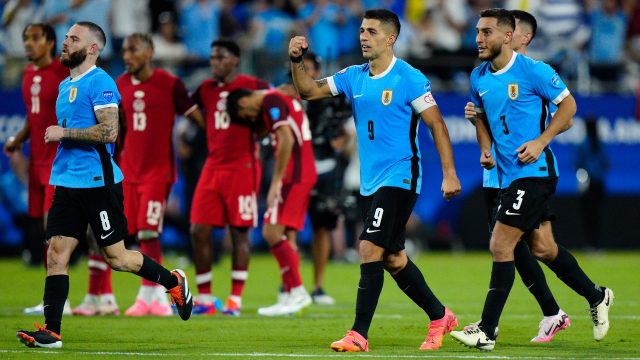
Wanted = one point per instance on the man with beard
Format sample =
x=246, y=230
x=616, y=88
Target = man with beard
x=39, y=91
x=510, y=92
x=151, y=99
x=388, y=98
x=528, y=267
x=89, y=185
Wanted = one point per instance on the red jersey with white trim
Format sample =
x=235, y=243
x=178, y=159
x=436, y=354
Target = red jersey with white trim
x=281, y=110
x=230, y=145
x=40, y=91
x=150, y=108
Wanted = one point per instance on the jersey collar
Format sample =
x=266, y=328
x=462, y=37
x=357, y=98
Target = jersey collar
x=509, y=65
x=83, y=74
x=387, y=70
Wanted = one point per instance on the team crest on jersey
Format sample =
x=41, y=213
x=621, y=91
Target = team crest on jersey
x=387, y=95
x=72, y=94
x=513, y=91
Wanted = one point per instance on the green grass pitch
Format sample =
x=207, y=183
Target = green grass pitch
x=459, y=280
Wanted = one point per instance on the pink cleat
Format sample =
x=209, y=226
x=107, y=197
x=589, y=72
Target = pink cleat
x=351, y=342
x=157, y=309
x=550, y=326
x=139, y=308
x=438, y=329
x=88, y=307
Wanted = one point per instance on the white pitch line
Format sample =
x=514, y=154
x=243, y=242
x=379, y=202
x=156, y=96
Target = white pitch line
x=259, y=355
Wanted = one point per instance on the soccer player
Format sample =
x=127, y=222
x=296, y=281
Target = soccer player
x=230, y=179
x=89, y=185
x=294, y=175
x=528, y=267
x=40, y=82
x=326, y=120
x=510, y=92
x=151, y=99
x=388, y=97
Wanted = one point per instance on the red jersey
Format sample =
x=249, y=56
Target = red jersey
x=40, y=91
x=230, y=145
x=281, y=110
x=150, y=108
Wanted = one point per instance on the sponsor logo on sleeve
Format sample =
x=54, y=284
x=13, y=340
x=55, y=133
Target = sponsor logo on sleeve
x=107, y=95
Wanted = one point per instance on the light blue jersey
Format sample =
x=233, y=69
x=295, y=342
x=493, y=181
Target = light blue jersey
x=515, y=100
x=386, y=109
x=80, y=164
x=490, y=178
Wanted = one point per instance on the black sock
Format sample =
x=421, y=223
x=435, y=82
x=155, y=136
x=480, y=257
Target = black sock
x=56, y=291
x=534, y=279
x=369, y=288
x=411, y=281
x=155, y=272
x=502, y=275
x=567, y=269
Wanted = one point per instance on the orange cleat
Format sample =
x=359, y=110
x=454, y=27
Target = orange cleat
x=438, y=329
x=352, y=342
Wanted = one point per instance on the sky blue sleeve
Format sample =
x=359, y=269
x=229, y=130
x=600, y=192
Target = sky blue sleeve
x=547, y=82
x=417, y=85
x=473, y=91
x=342, y=80
x=104, y=91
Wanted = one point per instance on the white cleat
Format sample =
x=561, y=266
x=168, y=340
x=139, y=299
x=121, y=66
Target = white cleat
x=89, y=306
x=550, y=326
x=600, y=315
x=288, y=303
x=39, y=309
x=277, y=309
x=108, y=305
x=474, y=337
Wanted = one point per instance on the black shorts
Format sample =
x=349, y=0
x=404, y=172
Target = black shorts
x=102, y=208
x=323, y=211
x=525, y=203
x=385, y=214
x=491, y=196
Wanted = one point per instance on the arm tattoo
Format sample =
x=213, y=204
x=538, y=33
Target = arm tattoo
x=322, y=82
x=106, y=131
x=300, y=66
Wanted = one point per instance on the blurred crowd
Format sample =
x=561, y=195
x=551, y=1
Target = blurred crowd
x=594, y=44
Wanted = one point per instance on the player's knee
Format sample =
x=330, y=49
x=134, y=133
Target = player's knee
x=542, y=251
x=394, y=263
x=198, y=233
x=117, y=262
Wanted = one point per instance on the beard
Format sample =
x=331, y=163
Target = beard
x=494, y=51
x=74, y=59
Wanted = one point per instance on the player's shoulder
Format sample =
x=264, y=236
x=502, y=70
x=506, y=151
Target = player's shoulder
x=407, y=71
x=528, y=63
x=480, y=70
x=252, y=82
x=121, y=80
x=98, y=75
x=164, y=75
x=355, y=69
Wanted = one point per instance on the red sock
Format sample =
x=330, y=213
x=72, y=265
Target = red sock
x=294, y=258
x=152, y=249
x=282, y=251
x=97, y=269
x=238, y=277
x=106, y=281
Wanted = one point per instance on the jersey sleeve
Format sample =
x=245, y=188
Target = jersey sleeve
x=196, y=97
x=473, y=92
x=548, y=83
x=181, y=101
x=340, y=82
x=419, y=92
x=275, y=110
x=104, y=92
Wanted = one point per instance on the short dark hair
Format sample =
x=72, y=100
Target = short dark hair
x=144, y=37
x=233, y=101
x=384, y=16
x=49, y=34
x=504, y=17
x=230, y=45
x=528, y=19
x=314, y=58
x=96, y=31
